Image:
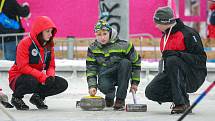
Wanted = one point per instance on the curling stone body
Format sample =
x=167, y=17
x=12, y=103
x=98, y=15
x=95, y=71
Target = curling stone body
x=92, y=103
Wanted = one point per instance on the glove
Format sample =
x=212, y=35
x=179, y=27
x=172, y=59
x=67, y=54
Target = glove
x=169, y=53
x=49, y=82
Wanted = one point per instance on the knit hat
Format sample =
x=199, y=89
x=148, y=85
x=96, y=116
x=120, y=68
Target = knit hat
x=164, y=15
x=102, y=25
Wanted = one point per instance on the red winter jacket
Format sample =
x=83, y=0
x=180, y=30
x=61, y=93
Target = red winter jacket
x=28, y=60
x=188, y=43
x=211, y=28
x=211, y=31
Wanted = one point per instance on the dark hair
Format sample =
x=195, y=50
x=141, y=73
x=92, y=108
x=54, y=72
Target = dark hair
x=110, y=34
x=40, y=39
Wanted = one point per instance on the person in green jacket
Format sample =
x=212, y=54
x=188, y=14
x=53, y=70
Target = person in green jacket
x=114, y=62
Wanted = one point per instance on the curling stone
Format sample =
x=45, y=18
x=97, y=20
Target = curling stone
x=92, y=103
x=135, y=107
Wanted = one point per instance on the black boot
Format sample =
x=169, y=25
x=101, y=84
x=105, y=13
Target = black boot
x=38, y=101
x=4, y=100
x=109, y=102
x=19, y=103
x=6, y=104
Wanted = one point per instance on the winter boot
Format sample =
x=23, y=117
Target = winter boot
x=4, y=100
x=38, y=101
x=109, y=102
x=119, y=104
x=6, y=104
x=177, y=109
x=19, y=103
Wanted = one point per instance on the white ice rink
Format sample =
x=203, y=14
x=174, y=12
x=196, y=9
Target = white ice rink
x=62, y=107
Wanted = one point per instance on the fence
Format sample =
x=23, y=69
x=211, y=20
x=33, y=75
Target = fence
x=144, y=47
x=76, y=48
x=4, y=37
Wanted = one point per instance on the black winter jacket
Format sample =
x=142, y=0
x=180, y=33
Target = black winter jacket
x=187, y=43
x=14, y=11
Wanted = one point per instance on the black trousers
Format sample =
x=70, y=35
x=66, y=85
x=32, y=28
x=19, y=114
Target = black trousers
x=173, y=84
x=27, y=84
x=119, y=75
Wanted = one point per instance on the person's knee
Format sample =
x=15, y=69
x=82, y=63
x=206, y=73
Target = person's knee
x=64, y=85
x=125, y=67
x=105, y=89
x=148, y=92
x=61, y=83
x=125, y=62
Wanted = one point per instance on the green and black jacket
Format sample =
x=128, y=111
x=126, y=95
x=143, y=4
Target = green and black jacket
x=105, y=56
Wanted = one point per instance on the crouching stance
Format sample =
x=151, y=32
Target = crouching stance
x=184, y=62
x=113, y=62
x=34, y=68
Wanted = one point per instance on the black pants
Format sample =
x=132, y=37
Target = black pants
x=174, y=82
x=118, y=75
x=27, y=84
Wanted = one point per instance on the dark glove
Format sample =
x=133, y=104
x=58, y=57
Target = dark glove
x=49, y=81
x=169, y=53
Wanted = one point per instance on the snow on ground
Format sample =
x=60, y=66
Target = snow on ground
x=62, y=107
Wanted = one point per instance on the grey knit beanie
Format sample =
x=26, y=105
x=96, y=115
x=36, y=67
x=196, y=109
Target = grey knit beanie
x=164, y=15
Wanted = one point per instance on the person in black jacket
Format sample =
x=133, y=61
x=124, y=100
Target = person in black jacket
x=184, y=62
x=12, y=10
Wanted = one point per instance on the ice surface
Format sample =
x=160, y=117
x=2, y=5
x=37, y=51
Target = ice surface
x=62, y=107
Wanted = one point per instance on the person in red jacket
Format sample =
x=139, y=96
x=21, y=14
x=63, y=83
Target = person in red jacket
x=211, y=23
x=34, y=68
x=182, y=67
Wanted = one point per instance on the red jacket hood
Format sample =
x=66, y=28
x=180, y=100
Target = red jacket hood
x=40, y=24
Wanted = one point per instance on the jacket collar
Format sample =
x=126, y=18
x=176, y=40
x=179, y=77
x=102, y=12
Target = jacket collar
x=179, y=25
